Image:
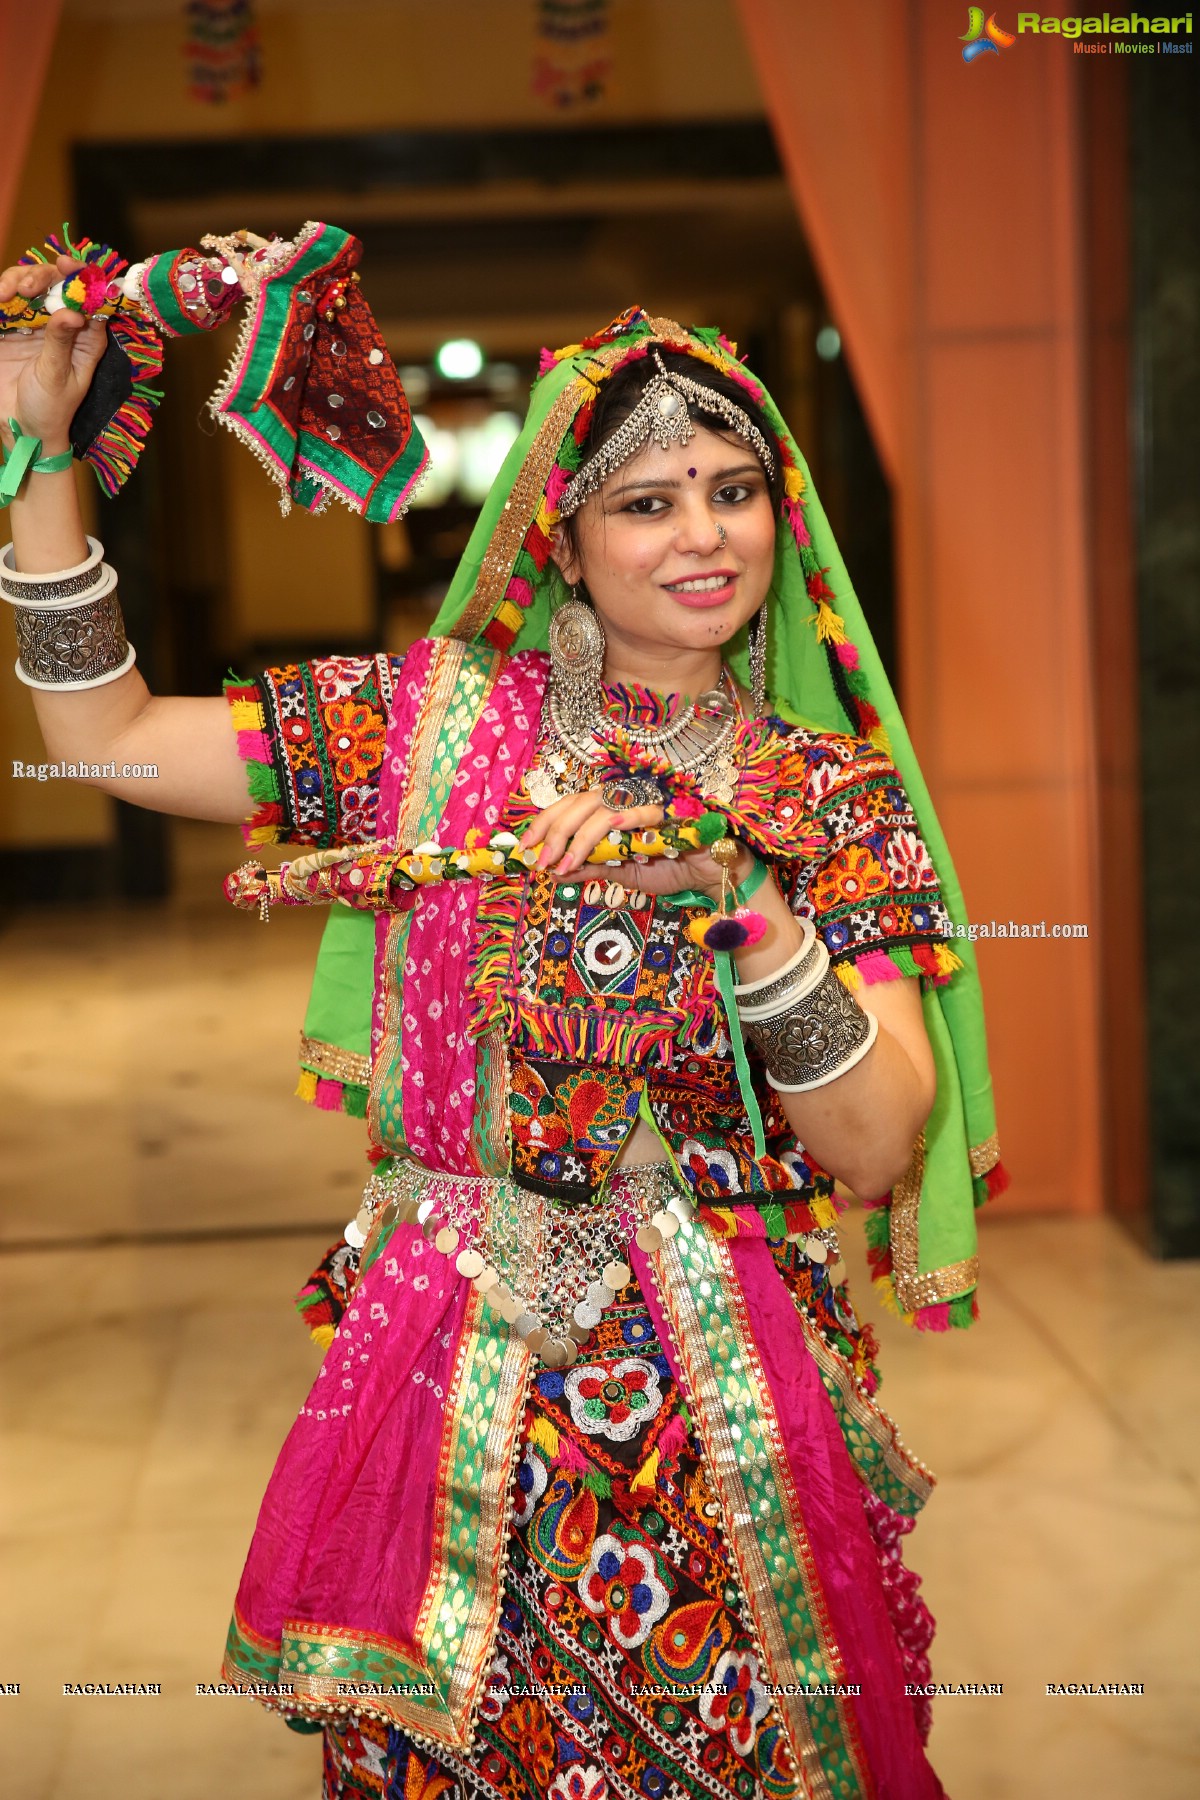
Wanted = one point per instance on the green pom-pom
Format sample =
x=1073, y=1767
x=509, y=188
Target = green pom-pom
x=305, y=1725
x=710, y=826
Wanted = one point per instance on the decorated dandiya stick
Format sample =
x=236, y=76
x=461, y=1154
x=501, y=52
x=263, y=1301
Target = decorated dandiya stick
x=383, y=880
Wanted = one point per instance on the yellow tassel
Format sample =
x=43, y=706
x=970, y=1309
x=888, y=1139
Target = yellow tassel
x=306, y=1087
x=831, y=627
x=247, y=715
x=647, y=1475
x=824, y=1212
x=849, y=976
x=510, y=615
x=725, y=1221
x=946, y=959
x=323, y=1335
x=886, y=1289
x=544, y=1436
x=263, y=834
x=793, y=483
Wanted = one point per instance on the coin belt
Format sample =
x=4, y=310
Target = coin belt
x=549, y=1270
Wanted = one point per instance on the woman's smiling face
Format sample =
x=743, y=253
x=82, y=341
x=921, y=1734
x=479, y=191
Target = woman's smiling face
x=677, y=549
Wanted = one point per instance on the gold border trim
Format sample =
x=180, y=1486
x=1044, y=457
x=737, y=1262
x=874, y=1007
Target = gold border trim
x=907, y=1468
x=985, y=1156
x=332, y=1061
x=916, y=1287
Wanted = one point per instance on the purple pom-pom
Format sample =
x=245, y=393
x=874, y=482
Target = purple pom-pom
x=726, y=934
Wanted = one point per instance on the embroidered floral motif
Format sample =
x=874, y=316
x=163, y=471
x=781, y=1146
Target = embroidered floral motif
x=623, y=1586
x=355, y=737
x=741, y=1702
x=338, y=677
x=527, y=1728
x=850, y=875
x=580, y=1782
x=613, y=1402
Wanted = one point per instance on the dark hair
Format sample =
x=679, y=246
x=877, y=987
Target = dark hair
x=621, y=392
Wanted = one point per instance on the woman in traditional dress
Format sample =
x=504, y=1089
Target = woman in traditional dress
x=592, y=1494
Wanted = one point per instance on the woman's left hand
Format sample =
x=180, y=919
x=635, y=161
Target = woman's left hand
x=570, y=829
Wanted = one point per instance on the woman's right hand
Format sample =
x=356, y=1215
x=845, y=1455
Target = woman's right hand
x=45, y=375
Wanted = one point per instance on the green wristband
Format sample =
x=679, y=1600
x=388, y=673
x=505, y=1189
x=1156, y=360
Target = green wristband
x=24, y=461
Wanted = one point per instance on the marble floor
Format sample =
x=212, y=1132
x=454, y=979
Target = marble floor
x=163, y=1196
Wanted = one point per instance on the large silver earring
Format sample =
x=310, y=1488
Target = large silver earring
x=758, y=661
x=577, y=663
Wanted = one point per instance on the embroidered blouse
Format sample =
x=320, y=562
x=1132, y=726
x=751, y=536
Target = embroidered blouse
x=609, y=1009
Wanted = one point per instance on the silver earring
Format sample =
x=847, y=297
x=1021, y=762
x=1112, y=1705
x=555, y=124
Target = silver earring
x=758, y=661
x=577, y=662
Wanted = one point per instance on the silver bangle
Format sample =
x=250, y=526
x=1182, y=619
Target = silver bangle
x=44, y=589
x=78, y=644
x=775, y=993
x=817, y=1039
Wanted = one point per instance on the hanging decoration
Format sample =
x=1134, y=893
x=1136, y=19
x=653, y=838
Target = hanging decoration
x=571, y=63
x=223, y=50
x=310, y=389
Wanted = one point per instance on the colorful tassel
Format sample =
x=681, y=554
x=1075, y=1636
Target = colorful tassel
x=646, y=1477
x=544, y=1436
x=570, y=1458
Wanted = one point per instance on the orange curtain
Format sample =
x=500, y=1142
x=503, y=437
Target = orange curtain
x=27, y=34
x=943, y=204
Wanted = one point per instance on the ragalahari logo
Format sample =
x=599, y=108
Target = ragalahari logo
x=982, y=35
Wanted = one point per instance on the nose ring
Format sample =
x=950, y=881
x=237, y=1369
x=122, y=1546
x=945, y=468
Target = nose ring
x=721, y=534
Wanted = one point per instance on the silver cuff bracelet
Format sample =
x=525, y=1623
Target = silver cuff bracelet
x=819, y=1038
x=83, y=645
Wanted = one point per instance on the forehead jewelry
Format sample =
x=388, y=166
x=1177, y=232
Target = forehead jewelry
x=661, y=413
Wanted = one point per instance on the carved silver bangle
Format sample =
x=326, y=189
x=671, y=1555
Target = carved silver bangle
x=815, y=1040
x=76, y=644
x=44, y=589
x=772, y=994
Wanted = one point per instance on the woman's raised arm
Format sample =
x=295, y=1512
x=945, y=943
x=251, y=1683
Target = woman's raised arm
x=43, y=379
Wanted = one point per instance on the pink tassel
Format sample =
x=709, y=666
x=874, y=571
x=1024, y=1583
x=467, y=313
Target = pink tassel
x=847, y=655
x=793, y=512
x=933, y=1318
x=569, y=1457
x=253, y=746
x=672, y=1441
x=328, y=1095
x=518, y=591
x=560, y=479
x=877, y=965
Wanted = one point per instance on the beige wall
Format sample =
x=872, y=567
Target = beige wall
x=117, y=72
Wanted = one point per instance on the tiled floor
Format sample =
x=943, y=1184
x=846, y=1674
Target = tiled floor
x=149, y=1384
